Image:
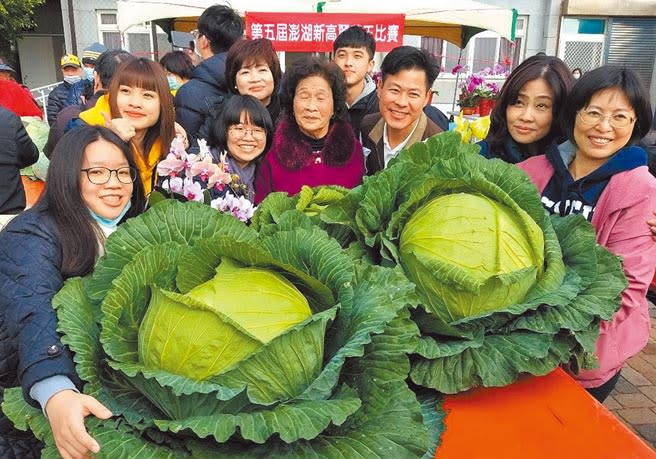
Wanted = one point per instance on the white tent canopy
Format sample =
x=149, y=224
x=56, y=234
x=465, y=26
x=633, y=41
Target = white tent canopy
x=447, y=19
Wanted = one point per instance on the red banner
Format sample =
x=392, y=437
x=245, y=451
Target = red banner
x=315, y=32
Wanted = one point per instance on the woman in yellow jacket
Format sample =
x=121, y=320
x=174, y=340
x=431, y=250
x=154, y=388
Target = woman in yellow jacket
x=139, y=109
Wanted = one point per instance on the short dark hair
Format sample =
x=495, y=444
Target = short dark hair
x=557, y=75
x=222, y=26
x=256, y=113
x=605, y=77
x=107, y=63
x=314, y=66
x=77, y=230
x=407, y=58
x=247, y=52
x=356, y=37
x=179, y=63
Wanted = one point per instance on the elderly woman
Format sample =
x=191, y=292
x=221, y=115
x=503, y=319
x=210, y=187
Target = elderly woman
x=253, y=68
x=314, y=143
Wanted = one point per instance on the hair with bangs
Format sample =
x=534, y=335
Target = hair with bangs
x=609, y=77
x=256, y=114
x=151, y=76
x=247, y=52
x=62, y=199
x=557, y=76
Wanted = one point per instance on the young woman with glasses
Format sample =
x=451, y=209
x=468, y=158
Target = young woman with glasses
x=601, y=174
x=92, y=186
x=243, y=131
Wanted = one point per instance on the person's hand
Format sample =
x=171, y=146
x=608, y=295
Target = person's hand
x=652, y=226
x=180, y=132
x=121, y=127
x=66, y=411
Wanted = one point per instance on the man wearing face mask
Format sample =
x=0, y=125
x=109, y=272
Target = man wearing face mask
x=89, y=57
x=72, y=91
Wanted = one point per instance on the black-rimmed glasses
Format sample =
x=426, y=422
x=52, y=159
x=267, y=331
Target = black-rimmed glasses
x=101, y=175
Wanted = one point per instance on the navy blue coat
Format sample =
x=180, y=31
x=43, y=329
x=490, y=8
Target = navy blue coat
x=30, y=275
x=201, y=98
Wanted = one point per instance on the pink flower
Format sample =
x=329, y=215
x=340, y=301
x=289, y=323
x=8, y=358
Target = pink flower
x=174, y=185
x=171, y=166
x=457, y=69
x=193, y=191
x=204, y=168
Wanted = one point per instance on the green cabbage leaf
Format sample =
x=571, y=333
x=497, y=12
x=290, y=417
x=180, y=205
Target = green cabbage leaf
x=209, y=338
x=502, y=288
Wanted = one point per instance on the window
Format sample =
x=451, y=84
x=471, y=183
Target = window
x=137, y=39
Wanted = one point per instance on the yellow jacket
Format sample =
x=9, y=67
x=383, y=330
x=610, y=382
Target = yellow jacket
x=146, y=166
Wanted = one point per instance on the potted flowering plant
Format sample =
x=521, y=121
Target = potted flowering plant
x=195, y=177
x=481, y=90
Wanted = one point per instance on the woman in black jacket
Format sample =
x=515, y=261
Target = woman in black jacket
x=92, y=185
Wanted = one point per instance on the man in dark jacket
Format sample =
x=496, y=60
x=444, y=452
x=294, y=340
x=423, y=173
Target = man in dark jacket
x=407, y=75
x=203, y=96
x=353, y=52
x=72, y=91
x=68, y=117
x=16, y=152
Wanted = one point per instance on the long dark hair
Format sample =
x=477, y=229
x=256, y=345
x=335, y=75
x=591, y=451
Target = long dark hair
x=609, y=76
x=62, y=200
x=557, y=75
x=146, y=74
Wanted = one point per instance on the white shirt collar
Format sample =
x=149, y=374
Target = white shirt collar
x=389, y=152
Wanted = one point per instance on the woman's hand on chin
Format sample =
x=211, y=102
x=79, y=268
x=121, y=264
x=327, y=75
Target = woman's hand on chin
x=121, y=127
x=66, y=411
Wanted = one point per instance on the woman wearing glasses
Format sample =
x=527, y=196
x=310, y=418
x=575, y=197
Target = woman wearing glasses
x=92, y=185
x=601, y=174
x=243, y=131
x=314, y=143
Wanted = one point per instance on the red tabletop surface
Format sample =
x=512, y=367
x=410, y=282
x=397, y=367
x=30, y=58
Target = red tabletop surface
x=546, y=417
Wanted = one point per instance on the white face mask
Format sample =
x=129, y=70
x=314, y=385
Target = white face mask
x=88, y=73
x=72, y=79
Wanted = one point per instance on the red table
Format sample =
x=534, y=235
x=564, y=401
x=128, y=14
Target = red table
x=547, y=417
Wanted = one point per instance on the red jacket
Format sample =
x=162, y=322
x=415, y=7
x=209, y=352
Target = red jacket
x=18, y=99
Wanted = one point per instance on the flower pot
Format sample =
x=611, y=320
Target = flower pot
x=485, y=106
x=468, y=110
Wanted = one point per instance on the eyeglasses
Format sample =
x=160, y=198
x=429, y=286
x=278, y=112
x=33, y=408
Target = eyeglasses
x=594, y=117
x=240, y=131
x=195, y=33
x=102, y=175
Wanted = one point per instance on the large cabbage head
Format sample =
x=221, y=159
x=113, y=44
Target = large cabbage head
x=219, y=322
x=474, y=253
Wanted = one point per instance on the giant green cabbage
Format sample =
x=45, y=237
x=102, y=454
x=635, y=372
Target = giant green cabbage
x=502, y=288
x=168, y=332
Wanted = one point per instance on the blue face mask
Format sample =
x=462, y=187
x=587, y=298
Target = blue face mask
x=72, y=79
x=88, y=73
x=173, y=83
x=107, y=223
